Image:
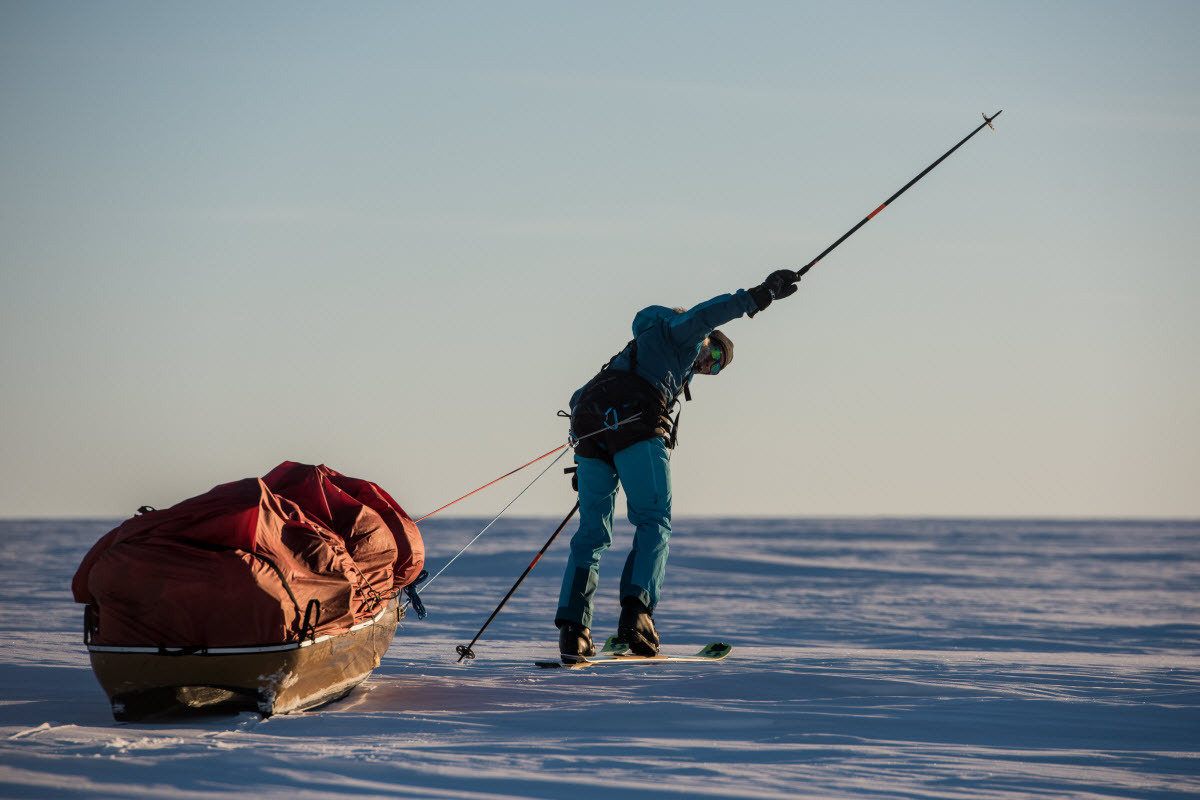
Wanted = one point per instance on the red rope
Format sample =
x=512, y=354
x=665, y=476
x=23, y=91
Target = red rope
x=486, y=485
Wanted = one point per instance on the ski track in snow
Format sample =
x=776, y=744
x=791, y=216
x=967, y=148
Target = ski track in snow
x=872, y=659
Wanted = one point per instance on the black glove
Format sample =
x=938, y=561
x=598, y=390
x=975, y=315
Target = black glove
x=780, y=283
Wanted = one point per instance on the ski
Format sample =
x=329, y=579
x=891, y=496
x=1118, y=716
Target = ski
x=617, y=652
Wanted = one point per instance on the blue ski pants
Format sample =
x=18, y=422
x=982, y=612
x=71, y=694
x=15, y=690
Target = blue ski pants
x=644, y=470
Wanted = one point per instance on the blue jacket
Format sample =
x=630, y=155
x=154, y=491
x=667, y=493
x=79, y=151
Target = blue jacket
x=668, y=343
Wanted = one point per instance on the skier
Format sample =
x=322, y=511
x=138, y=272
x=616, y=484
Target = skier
x=621, y=425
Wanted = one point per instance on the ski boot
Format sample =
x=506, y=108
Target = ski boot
x=636, y=628
x=574, y=640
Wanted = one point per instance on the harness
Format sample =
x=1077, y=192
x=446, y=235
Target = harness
x=618, y=408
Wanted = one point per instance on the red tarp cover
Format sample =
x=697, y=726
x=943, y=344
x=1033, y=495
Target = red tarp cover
x=239, y=564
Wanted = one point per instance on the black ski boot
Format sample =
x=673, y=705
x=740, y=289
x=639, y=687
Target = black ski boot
x=574, y=640
x=636, y=628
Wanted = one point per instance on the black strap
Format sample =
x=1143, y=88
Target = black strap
x=413, y=598
x=312, y=618
x=632, y=348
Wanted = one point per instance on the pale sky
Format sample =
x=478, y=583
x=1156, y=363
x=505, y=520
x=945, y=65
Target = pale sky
x=395, y=237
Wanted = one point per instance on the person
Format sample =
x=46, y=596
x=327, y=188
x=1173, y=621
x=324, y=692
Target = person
x=623, y=434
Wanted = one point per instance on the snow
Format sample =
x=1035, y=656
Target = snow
x=872, y=659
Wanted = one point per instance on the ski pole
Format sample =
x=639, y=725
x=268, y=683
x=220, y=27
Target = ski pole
x=986, y=121
x=464, y=650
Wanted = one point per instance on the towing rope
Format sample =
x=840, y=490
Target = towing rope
x=486, y=485
x=574, y=440
x=427, y=583
x=423, y=583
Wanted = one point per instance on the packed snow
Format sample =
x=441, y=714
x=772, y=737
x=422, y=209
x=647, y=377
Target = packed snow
x=872, y=658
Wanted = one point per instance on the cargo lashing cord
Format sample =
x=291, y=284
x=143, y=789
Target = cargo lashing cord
x=372, y=598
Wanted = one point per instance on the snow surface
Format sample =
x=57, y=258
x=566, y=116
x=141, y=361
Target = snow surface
x=873, y=658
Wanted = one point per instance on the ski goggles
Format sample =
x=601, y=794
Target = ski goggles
x=710, y=360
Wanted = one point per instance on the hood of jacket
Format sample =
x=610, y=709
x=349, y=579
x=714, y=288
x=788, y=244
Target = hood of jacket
x=648, y=317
